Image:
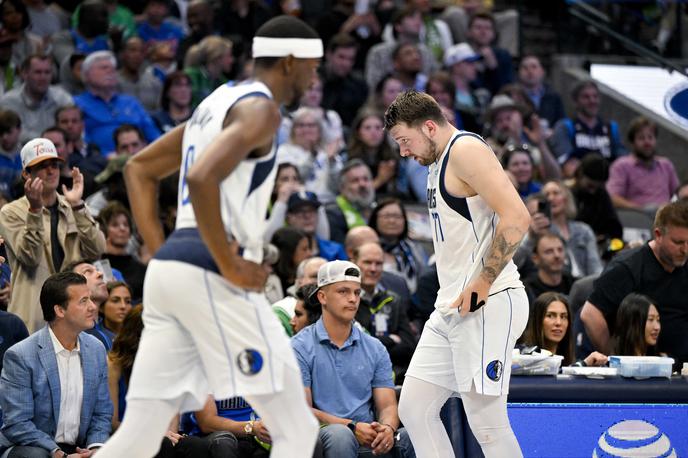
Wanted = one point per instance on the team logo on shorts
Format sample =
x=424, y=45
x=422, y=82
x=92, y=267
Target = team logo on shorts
x=494, y=370
x=250, y=362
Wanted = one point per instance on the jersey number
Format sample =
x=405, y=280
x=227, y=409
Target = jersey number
x=188, y=162
x=439, y=235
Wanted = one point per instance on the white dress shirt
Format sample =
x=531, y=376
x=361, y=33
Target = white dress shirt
x=71, y=391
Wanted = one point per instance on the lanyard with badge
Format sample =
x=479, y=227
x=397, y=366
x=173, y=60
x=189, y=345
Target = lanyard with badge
x=380, y=319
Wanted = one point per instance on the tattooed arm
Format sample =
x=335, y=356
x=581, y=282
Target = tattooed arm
x=474, y=169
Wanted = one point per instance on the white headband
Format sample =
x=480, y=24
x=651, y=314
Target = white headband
x=301, y=48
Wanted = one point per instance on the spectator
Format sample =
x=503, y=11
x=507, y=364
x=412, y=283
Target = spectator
x=318, y=164
x=99, y=295
x=7, y=68
x=407, y=64
x=10, y=159
x=12, y=330
x=370, y=143
x=587, y=132
x=582, y=257
x=382, y=313
x=207, y=64
x=59, y=138
x=240, y=21
x=496, y=69
x=112, y=313
x=531, y=75
x=89, y=34
x=385, y=92
x=200, y=20
x=302, y=213
x=129, y=140
x=156, y=27
x=85, y=156
x=642, y=180
x=549, y=255
x=637, y=327
x=658, y=268
x=44, y=230
x=435, y=33
x=70, y=74
x=78, y=419
x=519, y=163
x=354, y=203
x=307, y=309
x=294, y=247
x=682, y=192
x=122, y=23
x=406, y=25
x=116, y=222
x=550, y=328
x=105, y=108
x=343, y=91
x=462, y=62
x=15, y=33
x=35, y=100
x=594, y=206
x=133, y=78
x=356, y=399
x=175, y=101
x=402, y=255
x=43, y=19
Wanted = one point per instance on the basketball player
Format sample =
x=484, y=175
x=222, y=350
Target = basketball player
x=208, y=328
x=478, y=221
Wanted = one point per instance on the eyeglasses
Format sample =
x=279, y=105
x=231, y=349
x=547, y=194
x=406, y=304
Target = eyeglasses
x=512, y=148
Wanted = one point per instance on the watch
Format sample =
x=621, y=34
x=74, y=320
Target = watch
x=248, y=428
x=352, y=426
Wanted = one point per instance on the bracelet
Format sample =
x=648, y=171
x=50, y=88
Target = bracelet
x=79, y=207
x=394, y=431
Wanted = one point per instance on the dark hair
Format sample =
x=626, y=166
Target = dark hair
x=20, y=8
x=110, y=287
x=126, y=343
x=341, y=40
x=629, y=328
x=385, y=202
x=126, y=128
x=310, y=303
x=593, y=166
x=509, y=152
x=54, y=292
x=26, y=63
x=8, y=120
x=284, y=26
x=287, y=239
x=672, y=214
x=413, y=108
x=357, y=149
x=398, y=48
x=111, y=211
x=535, y=333
x=578, y=88
x=61, y=110
x=637, y=124
x=546, y=235
x=485, y=15
x=169, y=81
x=72, y=265
x=350, y=165
x=445, y=80
x=59, y=130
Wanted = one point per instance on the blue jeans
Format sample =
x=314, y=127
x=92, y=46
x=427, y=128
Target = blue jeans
x=339, y=442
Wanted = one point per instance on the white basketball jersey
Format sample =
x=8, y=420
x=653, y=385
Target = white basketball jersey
x=463, y=230
x=245, y=193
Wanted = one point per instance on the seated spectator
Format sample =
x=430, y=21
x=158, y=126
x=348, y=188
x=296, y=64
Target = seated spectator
x=384, y=93
x=133, y=78
x=16, y=36
x=302, y=213
x=59, y=138
x=70, y=74
x=496, y=68
x=461, y=62
x=31, y=375
x=318, y=164
x=10, y=159
x=12, y=330
x=355, y=201
x=549, y=256
x=355, y=400
x=44, y=20
x=122, y=23
x=642, y=180
x=548, y=103
x=370, y=143
x=112, y=313
x=408, y=66
x=105, y=108
x=402, y=255
x=120, y=249
x=89, y=34
x=175, y=101
x=99, y=295
x=586, y=133
x=85, y=156
x=307, y=309
x=44, y=230
x=637, y=327
x=294, y=247
x=582, y=257
x=35, y=100
x=406, y=23
x=382, y=313
x=343, y=91
x=594, y=206
x=519, y=163
x=550, y=328
x=658, y=268
x=156, y=27
x=200, y=21
x=207, y=63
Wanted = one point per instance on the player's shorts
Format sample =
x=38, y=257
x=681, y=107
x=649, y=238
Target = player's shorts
x=455, y=352
x=204, y=336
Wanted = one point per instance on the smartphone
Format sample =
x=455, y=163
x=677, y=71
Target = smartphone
x=5, y=274
x=103, y=266
x=544, y=208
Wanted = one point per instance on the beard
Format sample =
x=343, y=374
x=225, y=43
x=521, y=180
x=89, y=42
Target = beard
x=431, y=150
x=363, y=199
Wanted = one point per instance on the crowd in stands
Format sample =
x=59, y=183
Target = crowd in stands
x=85, y=86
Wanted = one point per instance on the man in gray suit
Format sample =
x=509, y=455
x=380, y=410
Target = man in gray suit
x=53, y=387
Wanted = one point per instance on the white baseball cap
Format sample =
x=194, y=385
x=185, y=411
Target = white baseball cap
x=37, y=151
x=336, y=271
x=460, y=53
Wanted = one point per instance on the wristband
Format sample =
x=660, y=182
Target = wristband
x=394, y=431
x=79, y=206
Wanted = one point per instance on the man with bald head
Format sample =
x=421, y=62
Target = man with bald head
x=200, y=17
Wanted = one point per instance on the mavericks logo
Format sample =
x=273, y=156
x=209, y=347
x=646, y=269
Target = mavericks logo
x=250, y=362
x=494, y=370
x=676, y=103
x=633, y=438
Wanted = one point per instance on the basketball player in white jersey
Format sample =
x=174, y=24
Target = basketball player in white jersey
x=208, y=327
x=478, y=221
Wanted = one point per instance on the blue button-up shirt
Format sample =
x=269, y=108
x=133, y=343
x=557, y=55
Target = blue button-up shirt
x=101, y=118
x=342, y=379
